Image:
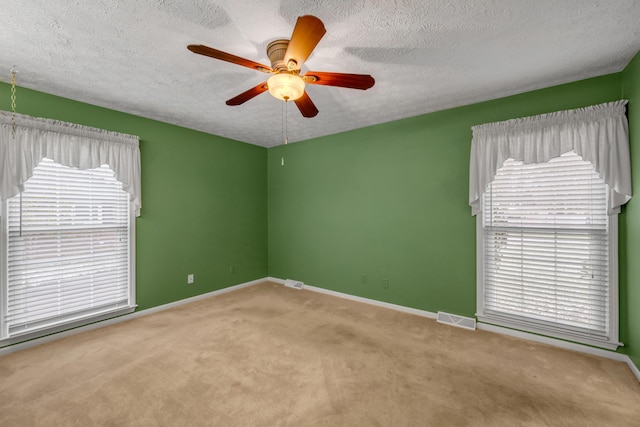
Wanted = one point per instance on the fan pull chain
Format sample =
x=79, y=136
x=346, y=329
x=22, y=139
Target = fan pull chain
x=285, y=130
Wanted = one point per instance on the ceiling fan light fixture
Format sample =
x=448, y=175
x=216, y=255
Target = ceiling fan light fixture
x=287, y=58
x=285, y=86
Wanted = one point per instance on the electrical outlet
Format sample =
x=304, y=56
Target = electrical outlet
x=232, y=269
x=363, y=279
x=385, y=283
x=189, y=279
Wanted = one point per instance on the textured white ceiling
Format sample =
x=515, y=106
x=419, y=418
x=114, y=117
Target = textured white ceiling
x=131, y=55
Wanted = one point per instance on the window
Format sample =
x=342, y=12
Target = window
x=69, y=195
x=547, y=240
x=547, y=190
x=68, y=245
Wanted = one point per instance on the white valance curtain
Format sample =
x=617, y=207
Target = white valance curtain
x=599, y=134
x=67, y=144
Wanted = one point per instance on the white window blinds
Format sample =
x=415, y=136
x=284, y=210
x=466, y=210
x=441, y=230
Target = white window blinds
x=68, y=243
x=546, y=246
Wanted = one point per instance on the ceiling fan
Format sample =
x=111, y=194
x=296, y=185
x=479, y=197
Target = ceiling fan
x=287, y=58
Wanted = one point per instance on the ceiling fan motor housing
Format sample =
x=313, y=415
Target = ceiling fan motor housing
x=276, y=51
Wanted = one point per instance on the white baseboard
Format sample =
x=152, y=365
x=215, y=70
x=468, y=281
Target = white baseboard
x=483, y=326
x=633, y=368
x=100, y=324
x=377, y=303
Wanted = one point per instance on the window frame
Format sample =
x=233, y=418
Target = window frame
x=72, y=323
x=540, y=328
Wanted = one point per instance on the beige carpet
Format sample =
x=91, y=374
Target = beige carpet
x=272, y=356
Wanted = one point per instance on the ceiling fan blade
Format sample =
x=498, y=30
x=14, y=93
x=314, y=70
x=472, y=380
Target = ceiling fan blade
x=224, y=56
x=306, y=106
x=352, y=81
x=249, y=94
x=306, y=35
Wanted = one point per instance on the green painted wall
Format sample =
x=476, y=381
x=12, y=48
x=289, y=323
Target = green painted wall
x=204, y=200
x=387, y=202
x=630, y=227
x=391, y=202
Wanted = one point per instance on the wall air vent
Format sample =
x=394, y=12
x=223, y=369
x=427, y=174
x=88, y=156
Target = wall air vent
x=455, y=320
x=293, y=284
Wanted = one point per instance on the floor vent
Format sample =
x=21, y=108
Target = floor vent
x=293, y=284
x=455, y=320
